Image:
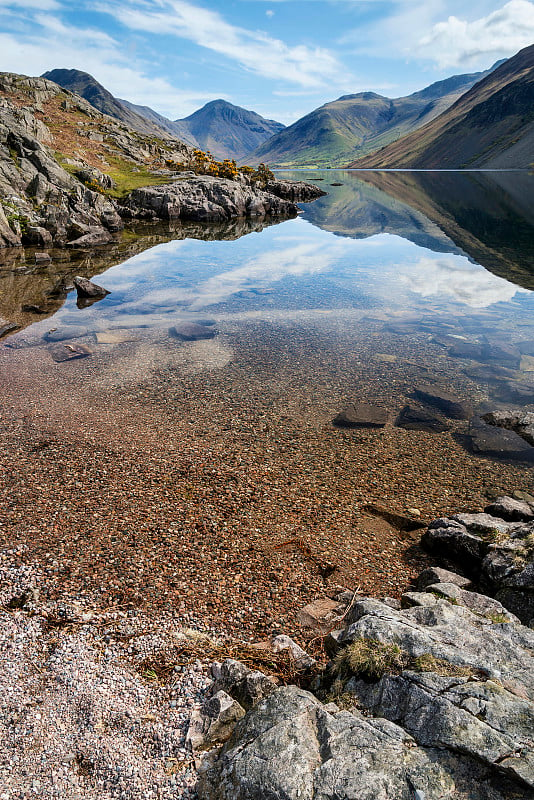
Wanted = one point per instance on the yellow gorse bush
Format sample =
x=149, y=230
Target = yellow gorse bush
x=203, y=163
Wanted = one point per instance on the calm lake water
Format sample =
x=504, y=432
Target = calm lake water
x=399, y=260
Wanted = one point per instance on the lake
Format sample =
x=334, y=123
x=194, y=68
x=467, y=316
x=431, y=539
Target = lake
x=154, y=464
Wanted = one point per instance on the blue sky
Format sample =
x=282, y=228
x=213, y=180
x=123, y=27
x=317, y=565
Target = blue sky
x=281, y=58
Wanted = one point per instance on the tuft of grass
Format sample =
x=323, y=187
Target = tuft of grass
x=526, y=552
x=370, y=659
x=497, y=618
x=452, y=600
x=429, y=663
x=494, y=536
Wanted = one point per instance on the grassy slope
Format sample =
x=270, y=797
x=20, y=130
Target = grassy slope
x=327, y=135
x=495, y=115
x=355, y=125
x=67, y=127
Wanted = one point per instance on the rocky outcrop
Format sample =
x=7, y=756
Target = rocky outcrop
x=41, y=202
x=204, y=199
x=428, y=700
x=296, y=191
x=292, y=747
x=495, y=549
x=54, y=190
x=451, y=715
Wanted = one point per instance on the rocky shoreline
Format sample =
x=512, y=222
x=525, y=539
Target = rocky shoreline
x=58, y=156
x=426, y=697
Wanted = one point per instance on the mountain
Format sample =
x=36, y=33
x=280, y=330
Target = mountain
x=491, y=126
x=229, y=131
x=489, y=216
x=356, y=124
x=357, y=209
x=87, y=87
x=174, y=129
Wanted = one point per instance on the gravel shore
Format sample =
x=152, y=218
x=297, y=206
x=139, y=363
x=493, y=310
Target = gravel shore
x=80, y=717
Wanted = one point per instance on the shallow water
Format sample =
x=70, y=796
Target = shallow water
x=368, y=293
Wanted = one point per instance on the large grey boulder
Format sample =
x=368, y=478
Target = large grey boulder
x=87, y=289
x=478, y=603
x=292, y=747
x=517, y=420
x=451, y=633
x=296, y=191
x=497, y=442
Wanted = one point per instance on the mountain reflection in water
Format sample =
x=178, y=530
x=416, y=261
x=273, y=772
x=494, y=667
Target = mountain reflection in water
x=398, y=242
x=487, y=216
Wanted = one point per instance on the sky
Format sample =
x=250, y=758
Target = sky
x=280, y=58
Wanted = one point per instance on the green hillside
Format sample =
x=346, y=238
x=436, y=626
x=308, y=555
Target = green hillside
x=357, y=124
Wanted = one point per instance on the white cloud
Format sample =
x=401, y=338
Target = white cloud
x=256, y=51
x=447, y=33
x=458, y=279
x=500, y=33
x=263, y=271
x=269, y=13
x=41, y=5
x=55, y=44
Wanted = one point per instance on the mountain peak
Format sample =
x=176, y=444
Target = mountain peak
x=227, y=130
x=83, y=84
x=360, y=96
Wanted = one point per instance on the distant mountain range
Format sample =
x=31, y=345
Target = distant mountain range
x=472, y=120
x=226, y=130
x=491, y=126
x=356, y=124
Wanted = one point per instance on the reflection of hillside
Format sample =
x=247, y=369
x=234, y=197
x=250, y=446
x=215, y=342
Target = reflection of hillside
x=489, y=216
x=45, y=286
x=359, y=210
